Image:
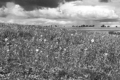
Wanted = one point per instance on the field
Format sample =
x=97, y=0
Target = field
x=48, y=53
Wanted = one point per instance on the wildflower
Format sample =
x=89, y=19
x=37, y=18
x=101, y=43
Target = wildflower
x=92, y=40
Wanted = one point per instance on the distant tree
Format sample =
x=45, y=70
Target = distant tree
x=103, y=25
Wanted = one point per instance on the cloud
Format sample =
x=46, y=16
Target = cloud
x=2, y=13
x=44, y=13
x=87, y=11
x=32, y=4
x=68, y=13
x=104, y=0
x=40, y=21
x=14, y=9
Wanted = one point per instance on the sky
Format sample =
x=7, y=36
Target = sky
x=60, y=12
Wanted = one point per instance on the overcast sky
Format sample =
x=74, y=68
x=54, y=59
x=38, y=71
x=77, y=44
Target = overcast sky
x=63, y=12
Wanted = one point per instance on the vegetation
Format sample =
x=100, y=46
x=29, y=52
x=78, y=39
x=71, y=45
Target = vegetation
x=48, y=53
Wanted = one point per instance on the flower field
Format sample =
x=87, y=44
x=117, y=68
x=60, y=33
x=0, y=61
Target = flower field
x=29, y=52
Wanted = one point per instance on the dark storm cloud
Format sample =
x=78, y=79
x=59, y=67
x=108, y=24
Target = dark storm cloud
x=108, y=20
x=104, y=0
x=31, y=4
x=28, y=4
x=72, y=0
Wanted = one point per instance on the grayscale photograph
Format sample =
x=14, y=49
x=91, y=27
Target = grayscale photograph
x=59, y=39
